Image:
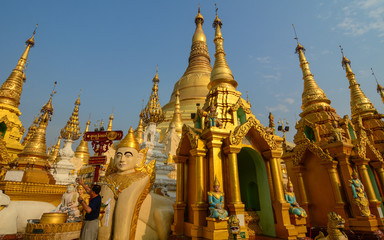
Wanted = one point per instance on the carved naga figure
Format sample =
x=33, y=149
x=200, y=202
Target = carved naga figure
x=335, y=228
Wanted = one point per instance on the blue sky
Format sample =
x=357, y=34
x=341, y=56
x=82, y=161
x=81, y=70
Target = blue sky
x=110, y=49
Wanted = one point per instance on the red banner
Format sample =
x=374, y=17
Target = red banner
x=103, y=136
x=97, y=160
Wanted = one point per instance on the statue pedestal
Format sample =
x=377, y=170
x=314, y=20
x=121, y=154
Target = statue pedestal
x=365, y=224
x=216, y=229
x=300, y=225
x=63, y=231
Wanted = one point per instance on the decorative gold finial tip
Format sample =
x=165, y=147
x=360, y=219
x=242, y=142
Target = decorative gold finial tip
x=299, y=47
x=156, y=77
x=31, y=41
x=199, y=17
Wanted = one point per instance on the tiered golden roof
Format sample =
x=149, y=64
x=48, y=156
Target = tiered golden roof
x=177, y=116
x=82, y=151
x=221, y=74
x=362, y=108
x=35, y=152
x=152, y=112
x=316, y=107
x=313, y=96
x=109, y=128
x=31, y=131
x=72, y=129
x=360, y=104
x=192, y=86
x=11, y=89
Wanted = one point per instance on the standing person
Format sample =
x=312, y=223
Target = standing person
x=91, y=220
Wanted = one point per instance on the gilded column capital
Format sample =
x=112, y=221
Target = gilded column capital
x=181, y=159
x=214, y=144
x=198, y=152
x=232, y=149
x=298, y=169
x=377, y=164
x=361, y=161
x=273, y=153
x=330, y=164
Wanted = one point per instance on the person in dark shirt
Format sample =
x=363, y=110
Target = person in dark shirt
x=91, y=220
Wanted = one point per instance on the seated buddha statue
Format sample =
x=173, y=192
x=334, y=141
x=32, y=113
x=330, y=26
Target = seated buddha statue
x=69, y=203
x=290, y=197
x=132, y=212
x=216, y=201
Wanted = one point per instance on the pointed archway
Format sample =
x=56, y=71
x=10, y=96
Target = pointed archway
x=254, y=187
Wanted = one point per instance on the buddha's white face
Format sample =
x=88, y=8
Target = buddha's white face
x=70, y=188
x=126, y=159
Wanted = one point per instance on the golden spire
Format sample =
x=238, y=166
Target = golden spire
x=313, y=95
x=11, y=89
x=177, y=115
x=360, y=104
x=109, y=128
x=379, y=87
x=221, y=73
x=152, y=111
x=54, y=151
x=199, y=59
x=35, y=152
x=129, y=141
x=31, y=131
x=139, y=131
x=72, y=129
x=82, y=151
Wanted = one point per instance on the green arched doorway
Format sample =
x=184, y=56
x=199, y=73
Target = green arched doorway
x=254, y=188
x=3, y=129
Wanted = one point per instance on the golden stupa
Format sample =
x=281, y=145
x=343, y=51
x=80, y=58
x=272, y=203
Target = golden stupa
x=192, y=86
x=11, y=128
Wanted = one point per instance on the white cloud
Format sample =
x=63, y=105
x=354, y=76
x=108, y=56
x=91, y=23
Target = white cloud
x=279, y=108
x=264, y=60
x=276, y=76
x=289, y=100
x=361, y=17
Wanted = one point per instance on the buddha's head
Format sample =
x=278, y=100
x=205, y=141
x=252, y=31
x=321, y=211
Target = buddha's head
x=80, y=190
x=127, y=156
x=70, y=188
x=216, y=185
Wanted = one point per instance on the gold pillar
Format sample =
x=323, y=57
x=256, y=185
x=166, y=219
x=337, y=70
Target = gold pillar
x=380, y=173
x=335, y=181
x=199, y=155
x=277, y=184
x=179, y=206
x=215, y=164
x=300, y=180
x=362, y=166
x=233, y=173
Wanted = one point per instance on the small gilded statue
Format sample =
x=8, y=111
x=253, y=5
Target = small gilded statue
x=290, y=197
x=85, y=196
x=336, y=133
x=271, y=120
x=359, y=195
x=216, y=201
x=212, y=118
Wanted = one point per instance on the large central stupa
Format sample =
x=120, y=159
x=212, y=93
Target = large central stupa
x=193, y=84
